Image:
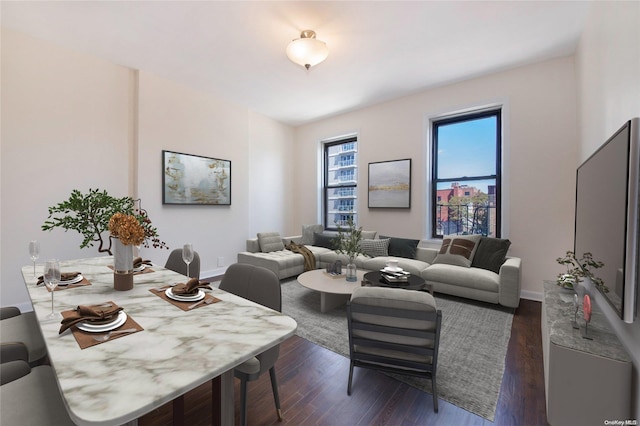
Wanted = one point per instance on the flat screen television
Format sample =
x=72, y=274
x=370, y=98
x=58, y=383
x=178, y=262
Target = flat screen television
x=607, y=219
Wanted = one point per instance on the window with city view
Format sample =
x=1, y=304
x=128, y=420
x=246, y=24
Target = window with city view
x=340, y=182
x=465, y=175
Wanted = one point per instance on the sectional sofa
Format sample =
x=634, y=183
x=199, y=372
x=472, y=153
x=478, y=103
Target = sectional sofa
x=471, y=266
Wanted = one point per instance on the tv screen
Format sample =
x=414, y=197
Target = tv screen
x=606, y=216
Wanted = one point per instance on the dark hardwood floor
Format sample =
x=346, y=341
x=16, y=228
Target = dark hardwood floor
x=313, y=389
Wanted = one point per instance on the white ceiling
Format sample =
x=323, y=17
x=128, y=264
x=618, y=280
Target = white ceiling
x=378, y=50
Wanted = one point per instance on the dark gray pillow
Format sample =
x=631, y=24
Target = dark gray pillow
x=491, y=254
x=326, y=241
x=402, y=247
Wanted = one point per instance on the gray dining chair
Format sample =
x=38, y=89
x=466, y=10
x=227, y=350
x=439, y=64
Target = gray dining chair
x=262, y=286
x=175, y=263
x=28, y=396
x=23, y=327
x=395, y=331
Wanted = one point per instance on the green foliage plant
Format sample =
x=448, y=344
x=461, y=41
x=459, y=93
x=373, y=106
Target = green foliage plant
x=578, y=269
x=348, y=241
x=89, y=215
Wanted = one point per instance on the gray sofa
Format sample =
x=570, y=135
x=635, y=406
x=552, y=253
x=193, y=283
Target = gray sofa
x=445, y=272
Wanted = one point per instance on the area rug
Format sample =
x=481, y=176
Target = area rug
x=473, y=345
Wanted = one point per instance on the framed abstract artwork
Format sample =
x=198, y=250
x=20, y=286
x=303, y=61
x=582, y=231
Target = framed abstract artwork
x=194, y=179
x=390, y=184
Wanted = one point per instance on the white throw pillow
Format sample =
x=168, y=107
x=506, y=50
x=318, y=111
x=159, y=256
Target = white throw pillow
x=375, y=248
x=458, y=250
x=270, y=241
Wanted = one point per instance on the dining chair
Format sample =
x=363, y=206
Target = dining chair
x=395, y=331
x=29, y=395
x=175, y=263
x=23, y=327
x=260, y=285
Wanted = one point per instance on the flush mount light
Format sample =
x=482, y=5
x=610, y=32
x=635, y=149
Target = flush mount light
x=307, y=51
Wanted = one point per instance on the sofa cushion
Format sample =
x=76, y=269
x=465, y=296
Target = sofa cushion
x=308, y=231
x=375, y=247
x=458, y=250
x=491, y=254
x=323, y=240
x=472, y=278
x=270, y=241
x=368, y=235
x=402, y=247
x=330, y=257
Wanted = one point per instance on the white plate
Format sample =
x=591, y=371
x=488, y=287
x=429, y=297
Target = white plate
x=73, y=281
x=181, y=298
x=139, y=268
x=100, y=328
x=390, y=269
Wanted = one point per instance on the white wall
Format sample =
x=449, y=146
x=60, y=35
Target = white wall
x=65, y=126
x=608, y=68
x=540, y=150
x=70, y=121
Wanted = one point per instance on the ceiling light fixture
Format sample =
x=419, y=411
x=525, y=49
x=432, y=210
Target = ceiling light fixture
x=307, y=50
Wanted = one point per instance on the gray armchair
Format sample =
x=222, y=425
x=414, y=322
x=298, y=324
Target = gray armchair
x=175, y=263
x=262, y=286
x=29, y=395
x=394, y=330
x=23, y=327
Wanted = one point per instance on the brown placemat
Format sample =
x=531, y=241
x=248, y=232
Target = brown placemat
x=185, y=305
x=146, y=270
x=86, y=340
x=64, y=287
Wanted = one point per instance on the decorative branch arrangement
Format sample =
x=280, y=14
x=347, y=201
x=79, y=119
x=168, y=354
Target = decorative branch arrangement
x=348, y=242
x=89, y=214
x=577, y=269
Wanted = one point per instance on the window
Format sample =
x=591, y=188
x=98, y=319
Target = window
x=465, y=175
x=340, y=182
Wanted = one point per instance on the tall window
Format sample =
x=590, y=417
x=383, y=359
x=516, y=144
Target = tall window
x=340, y=182
x=465, y=175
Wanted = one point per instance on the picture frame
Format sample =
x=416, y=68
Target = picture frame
x=390, y=184
x=194, y=179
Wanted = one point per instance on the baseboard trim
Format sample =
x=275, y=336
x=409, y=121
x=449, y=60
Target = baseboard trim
x=531, y=295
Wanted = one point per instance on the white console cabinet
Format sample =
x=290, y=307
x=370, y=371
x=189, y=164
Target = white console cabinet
x=586, y=381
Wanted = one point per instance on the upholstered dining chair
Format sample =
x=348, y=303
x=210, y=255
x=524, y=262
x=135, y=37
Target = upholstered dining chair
x=394, y=330
x=28, y=395
x=23, y=327
x=175, y=263
x=262, y=286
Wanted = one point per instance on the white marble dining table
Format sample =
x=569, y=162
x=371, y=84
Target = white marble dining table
x=120, y=380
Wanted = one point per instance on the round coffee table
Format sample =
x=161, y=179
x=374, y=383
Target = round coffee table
x=334, y=291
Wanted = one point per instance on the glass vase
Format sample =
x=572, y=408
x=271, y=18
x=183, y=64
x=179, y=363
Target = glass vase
x=351, y=274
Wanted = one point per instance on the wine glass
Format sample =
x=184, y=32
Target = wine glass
x=34, y=252
x=51, y=279
x=187, y=256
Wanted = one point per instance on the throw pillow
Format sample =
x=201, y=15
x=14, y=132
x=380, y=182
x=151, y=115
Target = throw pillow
x=402, y=247
x=491, y=254
x=308, y=231
x=458, y=250
x=270, y=241
x=368, y=235
x=375, y=248
x=326, y=241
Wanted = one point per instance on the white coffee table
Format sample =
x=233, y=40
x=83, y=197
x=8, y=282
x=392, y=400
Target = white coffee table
x=333, y=291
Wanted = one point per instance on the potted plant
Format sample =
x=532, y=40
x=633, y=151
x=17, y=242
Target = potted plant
x=89, y=214
x=578, y=269
x=348, y=243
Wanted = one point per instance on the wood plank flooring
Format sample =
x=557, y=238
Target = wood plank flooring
x=313, y=390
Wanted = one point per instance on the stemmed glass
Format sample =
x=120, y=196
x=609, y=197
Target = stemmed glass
x=51, y=279
x=187, y=256
x=34, y=252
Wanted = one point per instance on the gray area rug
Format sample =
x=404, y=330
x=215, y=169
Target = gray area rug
x=473, y=345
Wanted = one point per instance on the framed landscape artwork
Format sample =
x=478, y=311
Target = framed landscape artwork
x=390, y=184
x=194, y=179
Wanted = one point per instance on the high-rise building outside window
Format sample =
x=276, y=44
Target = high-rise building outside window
x=466, y=174
x=340, y=182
